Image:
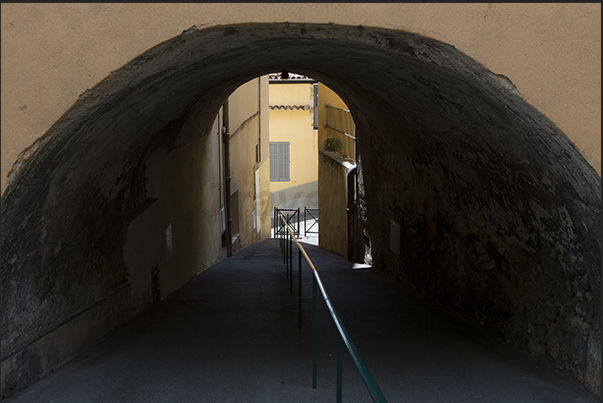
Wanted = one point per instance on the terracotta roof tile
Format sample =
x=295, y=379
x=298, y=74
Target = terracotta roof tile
x=289, y=107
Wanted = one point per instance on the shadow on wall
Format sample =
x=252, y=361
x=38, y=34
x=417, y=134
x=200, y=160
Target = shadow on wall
x=301, y=196
x=498, y=212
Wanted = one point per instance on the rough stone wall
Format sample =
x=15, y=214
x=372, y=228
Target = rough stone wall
x=498, y=213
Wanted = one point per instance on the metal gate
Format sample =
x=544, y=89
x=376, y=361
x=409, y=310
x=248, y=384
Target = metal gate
x=292, y=218
x=313, y=213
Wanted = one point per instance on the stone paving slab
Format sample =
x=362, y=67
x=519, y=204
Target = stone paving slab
x=230, y=335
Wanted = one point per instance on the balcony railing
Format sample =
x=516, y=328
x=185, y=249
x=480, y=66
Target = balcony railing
x=340, y=125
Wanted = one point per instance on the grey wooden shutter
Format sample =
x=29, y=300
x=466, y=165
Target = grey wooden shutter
x=284, y=161
x=273, y=162
x=279, y=161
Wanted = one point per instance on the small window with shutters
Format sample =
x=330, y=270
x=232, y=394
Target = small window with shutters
x=279, y=161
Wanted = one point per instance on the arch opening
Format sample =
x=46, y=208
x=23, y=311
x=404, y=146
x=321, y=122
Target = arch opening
x=498, y=212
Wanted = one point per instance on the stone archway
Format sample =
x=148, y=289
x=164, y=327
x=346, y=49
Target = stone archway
x=499, y=212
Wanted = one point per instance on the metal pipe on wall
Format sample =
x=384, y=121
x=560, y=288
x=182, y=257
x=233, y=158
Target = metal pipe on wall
x=227, y=178
x=350, y=210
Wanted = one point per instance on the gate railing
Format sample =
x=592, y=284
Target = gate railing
x=313, y=213
x=291, y=217
x=343, y=336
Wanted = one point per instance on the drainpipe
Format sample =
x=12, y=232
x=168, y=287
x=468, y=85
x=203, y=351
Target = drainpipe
x=226, y=141
x=351, y=207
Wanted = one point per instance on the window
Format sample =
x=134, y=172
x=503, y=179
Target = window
x=139, y=189
x=146, y=188
x=279, y=161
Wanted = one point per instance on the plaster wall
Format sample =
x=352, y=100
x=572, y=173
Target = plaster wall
x=301, y=196
x=245, y=110
x=332, y=200
x=190, y=205
x=265, y=230
x=332, y=184
x=290, y=93
x=52, y=53
x=264, y=165
x=326, y=96
x=189, y=202
x=294, y=126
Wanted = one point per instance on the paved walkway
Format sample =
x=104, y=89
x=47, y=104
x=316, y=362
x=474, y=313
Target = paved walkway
x=230, y=335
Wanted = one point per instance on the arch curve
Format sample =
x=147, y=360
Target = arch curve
x=500, y=212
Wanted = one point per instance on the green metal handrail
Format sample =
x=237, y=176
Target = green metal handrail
x=343, y=336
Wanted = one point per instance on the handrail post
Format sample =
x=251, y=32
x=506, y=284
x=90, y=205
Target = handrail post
x=305, y=226
x=299, y=291
x=277, y=220
x=290, y=263
x=284, y=240
x=314, y=331
x=343, y=336
x=339, y=368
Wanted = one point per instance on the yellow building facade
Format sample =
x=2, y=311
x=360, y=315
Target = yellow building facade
x=294, y=145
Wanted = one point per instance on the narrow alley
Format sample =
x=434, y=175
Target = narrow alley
x=231, y=335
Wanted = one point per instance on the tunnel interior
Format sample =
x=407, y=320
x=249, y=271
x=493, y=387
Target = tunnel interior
x=498, y=211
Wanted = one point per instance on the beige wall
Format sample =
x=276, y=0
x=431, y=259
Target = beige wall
x=52, y=53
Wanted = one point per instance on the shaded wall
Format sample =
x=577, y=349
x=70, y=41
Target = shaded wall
x=503, y=235
x=333, y=169
x=190, y=202
x=83, y=297
x=248, y=126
